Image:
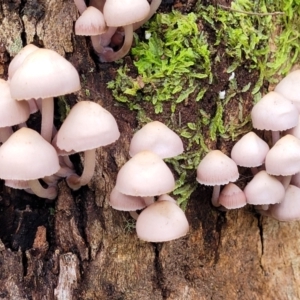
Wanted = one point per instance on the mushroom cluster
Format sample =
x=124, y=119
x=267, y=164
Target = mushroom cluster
x=146, y=176
x=110, y=24
x=275, y=186
x=36, y=76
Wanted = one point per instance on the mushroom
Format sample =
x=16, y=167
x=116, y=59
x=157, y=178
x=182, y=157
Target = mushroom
x=274, y=112
x=44, y=74
x=87, y=127
x=289, y=208
x=283, y=159
x=145, y=175
x=250, y=151
x=123, y=13
x=232, y=197
x=216, y=169
x=27, y=156
x=289, y=88
x=264, y=189
x=161, y=221
x=158, y=138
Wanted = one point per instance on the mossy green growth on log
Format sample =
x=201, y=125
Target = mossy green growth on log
x=170, y=63
x=177, y=63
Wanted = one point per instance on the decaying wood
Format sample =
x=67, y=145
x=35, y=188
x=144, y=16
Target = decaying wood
x=79, y=248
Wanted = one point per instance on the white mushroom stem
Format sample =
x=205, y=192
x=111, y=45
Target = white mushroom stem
x=75, y=181
x=110, y=55
x=215, y=196
x=153, y=8
x=275, y=136
x=39, y=190
x=47, y=119
x=286, y=181
x=254, y=170
x=81, y=6
x=134, y=214
x=5, y=133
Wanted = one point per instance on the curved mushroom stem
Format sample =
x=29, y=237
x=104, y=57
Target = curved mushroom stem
x=286, y=180
x=215, y=196
x=109, y=55
x=48, y=193
x=134, y=214
x=275, y=136
x=81, y=6
x=74, y=181
x=47, y=119
x=153, y=8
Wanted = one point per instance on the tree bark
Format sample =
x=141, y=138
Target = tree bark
x=78, y=247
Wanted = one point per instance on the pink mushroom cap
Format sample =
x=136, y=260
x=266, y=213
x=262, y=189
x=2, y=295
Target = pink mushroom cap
x=161, y=221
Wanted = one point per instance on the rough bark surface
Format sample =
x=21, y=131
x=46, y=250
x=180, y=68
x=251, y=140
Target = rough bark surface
x=79, y=248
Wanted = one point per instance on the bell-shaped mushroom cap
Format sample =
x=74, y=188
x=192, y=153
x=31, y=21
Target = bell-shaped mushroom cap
x=232, y=197
x=284, y=157
x=161, y=221
x=216, y=168
x=123, y=202
x=289, y=208
x=158, y=138
x=124, y=12
x=145, y=174
x=91, y=22
x=19, y=58
x=12, y=112
x=289, y=86
x=87, y=126
x=274, y=112
x=44, y=73
x=250, y=151
x=264, y=189
x=27, y=156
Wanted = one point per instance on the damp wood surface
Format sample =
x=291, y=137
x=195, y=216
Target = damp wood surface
x=78, y=247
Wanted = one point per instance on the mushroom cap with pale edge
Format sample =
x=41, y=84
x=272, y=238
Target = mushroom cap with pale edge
x=289, y=86
x=12, y=112
x=250, y=151
x=284, y=157
x=295, y=131
x=145, y=174
x=274, y=112
x=216, y=168
x=43, y=74
x=27, y=156
x=123, y=202
x=158, y=138
x=19, y=58
x=289, y=208
x=161, y=221
x=124, y=12
x=87, y=126
x=232, y=196
x=264, y=189
x=91, y=22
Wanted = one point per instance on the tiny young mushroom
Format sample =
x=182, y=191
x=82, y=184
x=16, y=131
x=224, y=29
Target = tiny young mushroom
x=44, y=74
x=27, y=156
x=161, y=221
x=216, y=169
x=274, y=112
x=250, y=151
x=87, y=127
x=232, y=197
x=158, y=138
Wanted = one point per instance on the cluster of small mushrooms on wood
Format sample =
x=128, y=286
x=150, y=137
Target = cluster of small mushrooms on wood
x=110, y=24
x=36, y=76
x=275, y=187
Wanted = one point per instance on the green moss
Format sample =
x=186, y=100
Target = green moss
x=173, y=68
